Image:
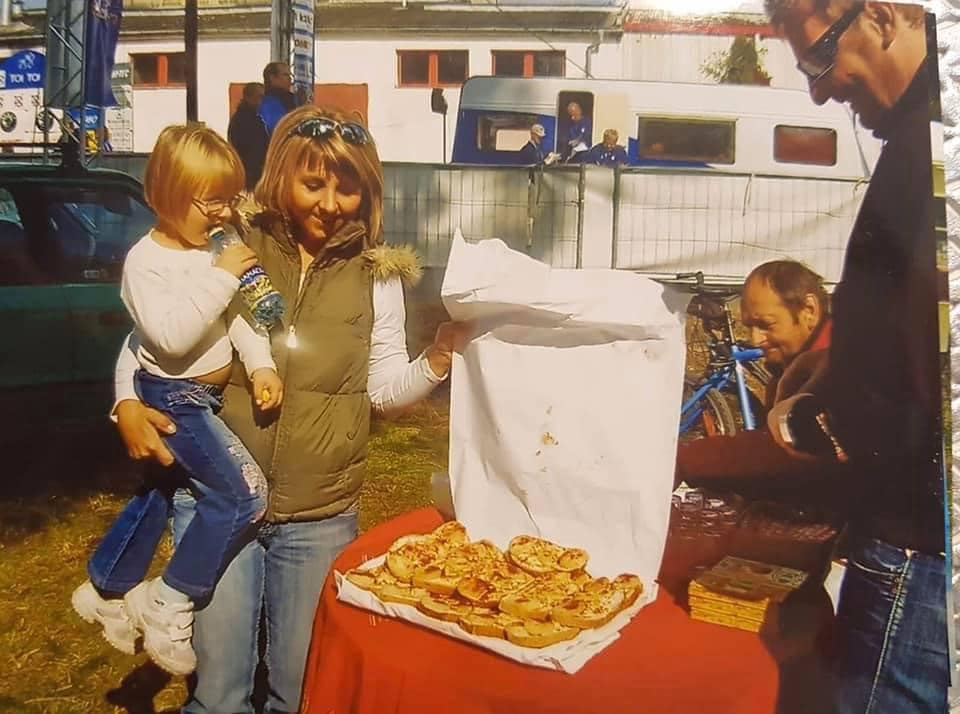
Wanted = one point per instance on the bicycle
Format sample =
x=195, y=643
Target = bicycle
x=706, y=408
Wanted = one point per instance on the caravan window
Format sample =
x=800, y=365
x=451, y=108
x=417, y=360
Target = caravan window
x=504, y=131
x=699, y=140
x=804, y=145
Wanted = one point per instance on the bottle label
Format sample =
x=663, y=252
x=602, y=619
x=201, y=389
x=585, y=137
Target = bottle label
x=264, y=302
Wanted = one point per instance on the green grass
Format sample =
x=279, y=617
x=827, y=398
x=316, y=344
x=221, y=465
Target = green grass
x=63, y=490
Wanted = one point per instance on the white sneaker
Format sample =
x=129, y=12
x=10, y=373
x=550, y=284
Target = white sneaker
x=112, y=614
x=166, y=626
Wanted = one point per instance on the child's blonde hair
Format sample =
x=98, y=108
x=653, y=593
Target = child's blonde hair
x=190, y=162
x=289, y=153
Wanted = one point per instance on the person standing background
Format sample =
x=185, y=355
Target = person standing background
x=279, y=99
x=248, y=133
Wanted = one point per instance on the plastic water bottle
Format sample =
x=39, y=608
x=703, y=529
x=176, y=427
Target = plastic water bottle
x=266, y=305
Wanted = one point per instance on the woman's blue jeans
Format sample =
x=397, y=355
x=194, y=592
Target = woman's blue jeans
x=279, y=572
x=892, y=632
x=230, y=488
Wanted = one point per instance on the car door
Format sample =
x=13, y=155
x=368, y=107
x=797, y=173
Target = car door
x=95, y=223
x=37, y=350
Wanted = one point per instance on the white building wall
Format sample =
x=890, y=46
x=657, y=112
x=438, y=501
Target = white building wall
x=679, y=58
x=400, y=117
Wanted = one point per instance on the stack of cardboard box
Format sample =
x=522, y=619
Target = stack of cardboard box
x=741, y=593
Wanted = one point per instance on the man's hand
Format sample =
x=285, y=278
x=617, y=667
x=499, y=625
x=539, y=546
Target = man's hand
x=776, y=420
x=267, y=388
x=450, y=338
x=803, y=373
x=140, y=428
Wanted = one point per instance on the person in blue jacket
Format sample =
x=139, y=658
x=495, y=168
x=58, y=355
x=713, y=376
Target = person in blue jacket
x=608, y=152
x=278, y=99
x=579, y=133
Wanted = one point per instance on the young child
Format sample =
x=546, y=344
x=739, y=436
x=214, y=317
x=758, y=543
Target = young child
x=177, y=292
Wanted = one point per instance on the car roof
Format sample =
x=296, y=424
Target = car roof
x=29, y=170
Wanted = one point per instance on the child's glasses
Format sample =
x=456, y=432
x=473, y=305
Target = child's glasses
x=821, y=56
x=215, y=207
x=324, y=127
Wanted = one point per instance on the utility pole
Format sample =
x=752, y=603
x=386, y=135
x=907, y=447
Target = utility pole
x=190, y=56
x=66, y=68
x=281, y=22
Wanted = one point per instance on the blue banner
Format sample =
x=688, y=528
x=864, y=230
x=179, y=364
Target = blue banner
x=25, y=70
x=103, y=28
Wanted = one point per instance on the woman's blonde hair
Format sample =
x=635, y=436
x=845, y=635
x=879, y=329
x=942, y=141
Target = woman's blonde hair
x=290, y=153
x=188, y=162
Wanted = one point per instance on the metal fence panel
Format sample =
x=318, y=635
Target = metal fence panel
x=726, y=224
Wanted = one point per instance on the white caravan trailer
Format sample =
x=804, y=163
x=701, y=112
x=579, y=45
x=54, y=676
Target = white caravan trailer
x=718, y=178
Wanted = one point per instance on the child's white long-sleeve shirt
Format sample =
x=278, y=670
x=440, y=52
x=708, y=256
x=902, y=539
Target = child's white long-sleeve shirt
x=394, y=381
x=177, y=299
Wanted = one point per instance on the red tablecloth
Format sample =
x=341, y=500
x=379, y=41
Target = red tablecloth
x=664, y=662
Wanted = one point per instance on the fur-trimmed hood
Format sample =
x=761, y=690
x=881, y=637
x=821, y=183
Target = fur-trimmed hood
x=390, y=261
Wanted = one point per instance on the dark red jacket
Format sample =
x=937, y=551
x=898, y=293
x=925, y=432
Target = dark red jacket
x=749, y=455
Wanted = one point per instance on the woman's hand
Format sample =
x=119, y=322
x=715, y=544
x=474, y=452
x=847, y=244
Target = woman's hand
x=450, y=338
x=140, y=428
x=267, y=388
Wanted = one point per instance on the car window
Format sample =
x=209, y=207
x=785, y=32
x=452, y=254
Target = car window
x=92, y=228
x=19, y=263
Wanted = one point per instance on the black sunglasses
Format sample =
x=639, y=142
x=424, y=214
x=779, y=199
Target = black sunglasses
x=323, y=128
x=821, y=56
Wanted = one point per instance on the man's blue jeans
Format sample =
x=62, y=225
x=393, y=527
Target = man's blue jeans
x=892, y=632
x=281, y=570
x=230, y=487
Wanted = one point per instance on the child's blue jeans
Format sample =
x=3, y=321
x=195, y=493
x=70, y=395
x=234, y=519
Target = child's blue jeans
x=229, y=486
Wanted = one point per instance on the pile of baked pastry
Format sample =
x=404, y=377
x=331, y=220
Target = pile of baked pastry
x=535, y=594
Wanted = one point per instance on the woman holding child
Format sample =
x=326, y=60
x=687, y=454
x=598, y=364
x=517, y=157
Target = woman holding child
x=341, y=349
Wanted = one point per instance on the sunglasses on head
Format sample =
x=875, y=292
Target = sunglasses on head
x=323, y=128
x=215, y=207
x=821, y=56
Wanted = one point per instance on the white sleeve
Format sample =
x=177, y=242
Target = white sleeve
x=127, y=365
x=394, y=382
x=175, y=322
x=252, y=346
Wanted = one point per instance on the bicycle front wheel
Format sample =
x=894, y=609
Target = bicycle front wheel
x=710, y=416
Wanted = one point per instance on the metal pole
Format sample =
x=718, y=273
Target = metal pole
x=190, y=56
x=444, y=137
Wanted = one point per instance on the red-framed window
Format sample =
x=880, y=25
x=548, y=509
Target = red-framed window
x=159, y=69
x=432, y=68
x=510, y=63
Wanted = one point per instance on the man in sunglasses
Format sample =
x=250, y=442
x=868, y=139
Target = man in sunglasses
x=880, y=394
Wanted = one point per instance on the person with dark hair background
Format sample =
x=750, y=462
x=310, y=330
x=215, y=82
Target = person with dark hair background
x=248, y=134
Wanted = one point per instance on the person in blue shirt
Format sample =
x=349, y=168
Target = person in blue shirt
x=278, y=100
x=608, y=152
x=579, y=133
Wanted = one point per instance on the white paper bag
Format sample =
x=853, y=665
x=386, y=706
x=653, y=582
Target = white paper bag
x=565, y=406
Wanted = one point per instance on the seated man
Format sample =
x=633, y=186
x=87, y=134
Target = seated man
x=608, y=152
x=787, y=310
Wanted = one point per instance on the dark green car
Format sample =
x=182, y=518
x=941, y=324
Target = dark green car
x=64, y=234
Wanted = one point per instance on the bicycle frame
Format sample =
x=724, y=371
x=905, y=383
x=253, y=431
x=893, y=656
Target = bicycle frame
x=719, y=377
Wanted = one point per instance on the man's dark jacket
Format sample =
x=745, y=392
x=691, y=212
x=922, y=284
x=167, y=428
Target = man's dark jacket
x=249, y=137
x=883, y=388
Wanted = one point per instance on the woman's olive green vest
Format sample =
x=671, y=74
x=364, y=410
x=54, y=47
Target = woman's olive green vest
x=314, y=448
